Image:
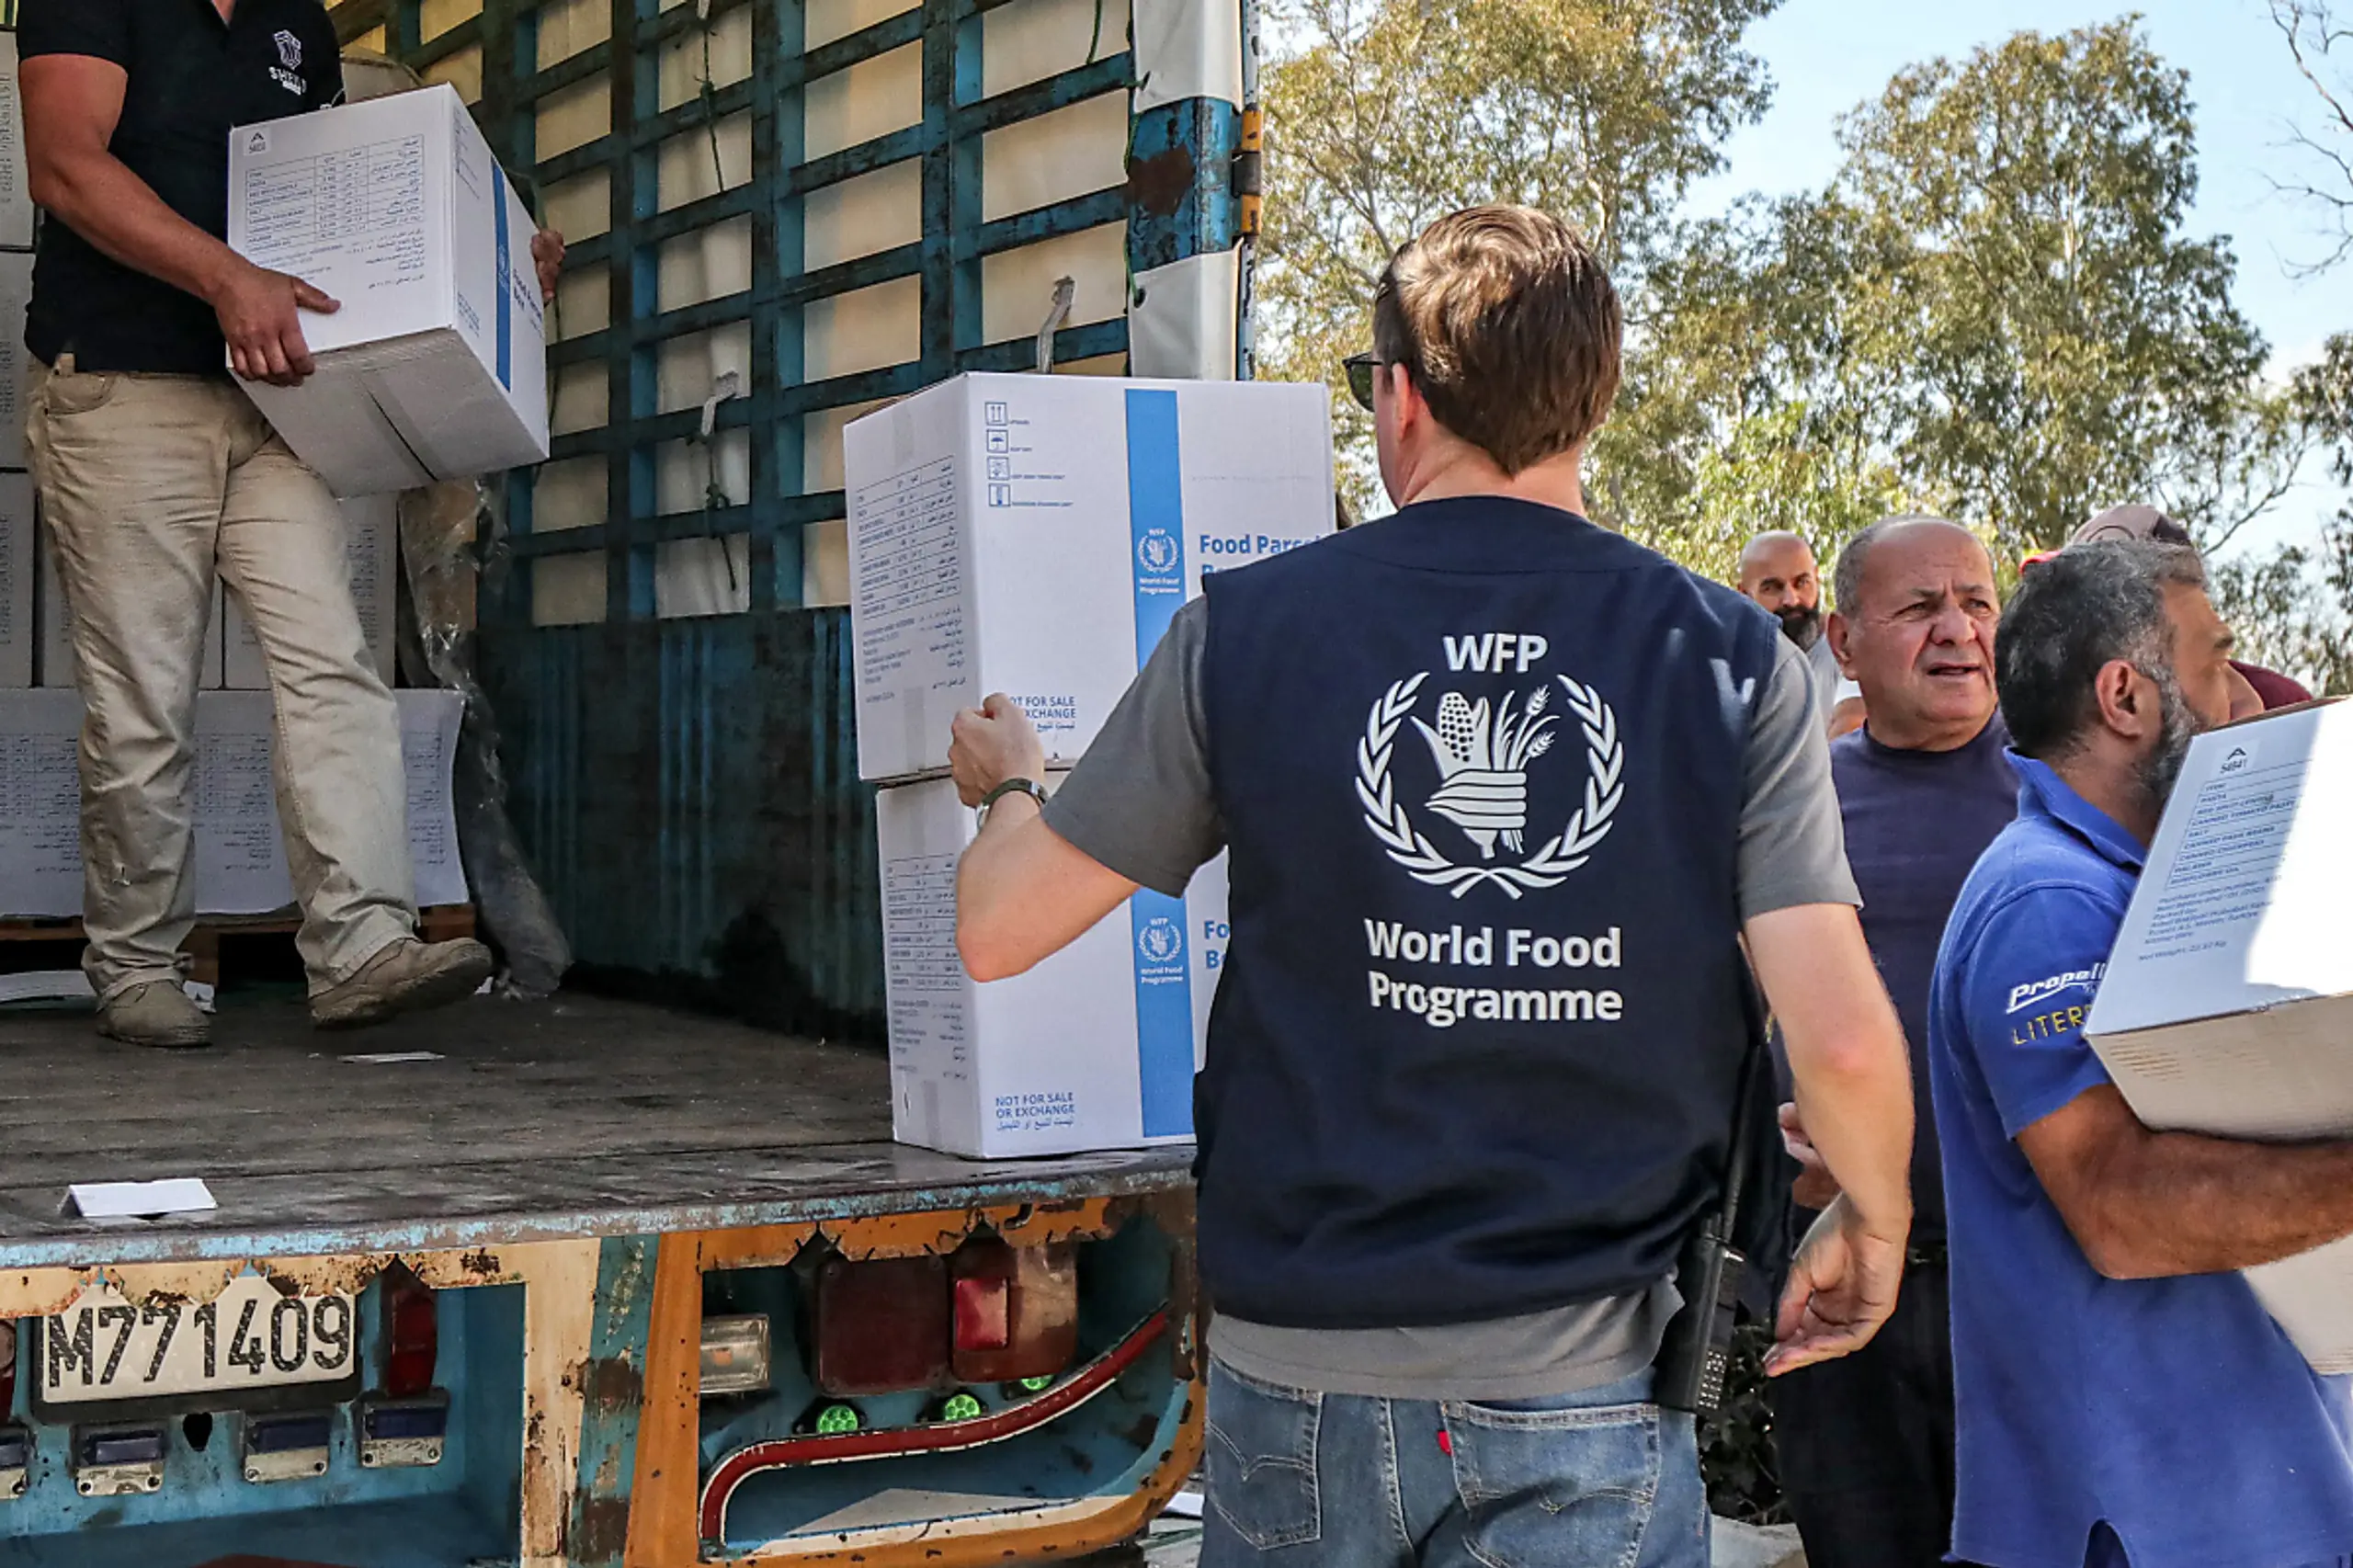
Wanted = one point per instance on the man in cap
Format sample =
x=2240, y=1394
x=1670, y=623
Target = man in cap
x=2270, y=687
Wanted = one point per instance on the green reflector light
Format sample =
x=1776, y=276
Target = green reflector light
x=836, y=1419
x=1036, y=1385
x=961, y=1407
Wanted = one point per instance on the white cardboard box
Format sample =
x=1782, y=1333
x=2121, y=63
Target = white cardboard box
x=52, y=631
x=436, y=366
x=240, y=845
x=2227, y=1003
x=374, y=554
x=19, y=548
x=16, y=188
x=241, y=857
x=40, y=804
x=1094, y=1049
x=15, y=359
x=1035, y=534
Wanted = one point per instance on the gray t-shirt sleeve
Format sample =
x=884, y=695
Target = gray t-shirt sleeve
x=1792, y=841
x=1140, y=802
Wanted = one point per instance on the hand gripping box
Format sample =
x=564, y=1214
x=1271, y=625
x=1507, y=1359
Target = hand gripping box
x=436, y=365
x=2227, y=1006
x=1035, y=534
x=1094, y=1049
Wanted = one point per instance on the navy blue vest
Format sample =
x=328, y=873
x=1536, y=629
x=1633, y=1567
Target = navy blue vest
x=1475, y=1048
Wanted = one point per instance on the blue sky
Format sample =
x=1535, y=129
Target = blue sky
x=1826, y=56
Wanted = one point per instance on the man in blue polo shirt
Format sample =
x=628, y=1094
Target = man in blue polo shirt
x=2122, y=1397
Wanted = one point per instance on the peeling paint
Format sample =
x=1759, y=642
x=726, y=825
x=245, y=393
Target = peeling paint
x=1159, y=184
x=614, y=1383
x=599, y=1531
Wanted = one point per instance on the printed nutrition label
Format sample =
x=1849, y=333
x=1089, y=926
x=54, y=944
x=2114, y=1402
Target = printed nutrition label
x=356, y=215
x=919, y=916
x=926, y=977
x=2222, y=873
x=40, y=789
x=910, y=569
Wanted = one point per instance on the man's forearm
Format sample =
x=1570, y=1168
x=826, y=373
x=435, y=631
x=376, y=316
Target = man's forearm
x=1845, y=1054
x=2173, y=1203
x=96, y=195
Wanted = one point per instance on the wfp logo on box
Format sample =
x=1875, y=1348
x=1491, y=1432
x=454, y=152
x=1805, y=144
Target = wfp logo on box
x=1158, y=553
x=1160, y=951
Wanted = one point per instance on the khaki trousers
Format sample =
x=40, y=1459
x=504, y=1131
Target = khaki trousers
x=150, y=485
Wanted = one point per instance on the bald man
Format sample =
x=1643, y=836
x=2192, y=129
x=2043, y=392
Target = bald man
x=1867, y=1448
x=1778, y=570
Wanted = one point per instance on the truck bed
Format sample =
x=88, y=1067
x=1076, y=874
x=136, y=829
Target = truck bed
x=577, y=1116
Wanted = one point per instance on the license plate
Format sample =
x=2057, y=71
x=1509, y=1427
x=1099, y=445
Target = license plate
x=250, y=1337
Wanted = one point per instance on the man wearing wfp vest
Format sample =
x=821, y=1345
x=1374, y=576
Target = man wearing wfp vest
x=1502, y=793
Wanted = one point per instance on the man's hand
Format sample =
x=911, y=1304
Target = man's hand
x=1814, y=1187
x=994, y=743
x=260, y=315
x=547, y=252
x=1842, y=1287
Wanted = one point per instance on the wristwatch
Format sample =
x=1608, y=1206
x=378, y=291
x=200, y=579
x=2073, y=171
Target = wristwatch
x=1029, y=787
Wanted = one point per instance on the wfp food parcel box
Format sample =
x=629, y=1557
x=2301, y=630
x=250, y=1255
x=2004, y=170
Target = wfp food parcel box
x=2227, y=1006
x=1094, y=1049
x=436, y=365
x=1034, y=535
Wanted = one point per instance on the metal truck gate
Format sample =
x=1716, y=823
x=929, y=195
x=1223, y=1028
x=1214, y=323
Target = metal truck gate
x=782, y=212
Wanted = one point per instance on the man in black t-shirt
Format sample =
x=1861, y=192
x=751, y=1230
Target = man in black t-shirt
x=158, y=476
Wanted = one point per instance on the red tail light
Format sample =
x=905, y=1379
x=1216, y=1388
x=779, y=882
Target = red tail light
x=1017, y=1310
x=412, y=1336
x=882, y=1326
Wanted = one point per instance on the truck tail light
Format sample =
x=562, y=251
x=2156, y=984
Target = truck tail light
x=412, y=1336
x=735, y=1354
x=1016, y=1311
x=882, y=1326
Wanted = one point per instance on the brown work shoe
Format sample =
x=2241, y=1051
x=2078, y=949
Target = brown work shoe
x=408, y=976
x=157, y=1013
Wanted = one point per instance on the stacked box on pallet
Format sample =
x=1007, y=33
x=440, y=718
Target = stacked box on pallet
x=241, y=860
x=17, y=522
x=1036, y=535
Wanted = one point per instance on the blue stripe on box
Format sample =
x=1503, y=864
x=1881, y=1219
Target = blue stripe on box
x=1164, y=1013
x=1155, y=515
x=1163, y=960
x=505, y=278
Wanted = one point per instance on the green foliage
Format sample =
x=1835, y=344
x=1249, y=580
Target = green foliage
x=1994, y=311
x=1385, y=115
x=2293, y=609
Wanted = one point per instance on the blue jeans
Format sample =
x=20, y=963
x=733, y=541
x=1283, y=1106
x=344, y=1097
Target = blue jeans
x=1601, y=1479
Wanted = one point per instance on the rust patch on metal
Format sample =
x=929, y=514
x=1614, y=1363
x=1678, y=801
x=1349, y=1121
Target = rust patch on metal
x=482, y=1261
x=1159, y=184
x=1043, y=1224
x=599, y=1531
x=901, y=1236
x=614, y=1383
x=322, y=1275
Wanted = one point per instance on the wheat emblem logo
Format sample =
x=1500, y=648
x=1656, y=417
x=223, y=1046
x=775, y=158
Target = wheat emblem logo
x=1483, y=755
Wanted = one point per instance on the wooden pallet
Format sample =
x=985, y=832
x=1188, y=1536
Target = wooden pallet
x=442, y=923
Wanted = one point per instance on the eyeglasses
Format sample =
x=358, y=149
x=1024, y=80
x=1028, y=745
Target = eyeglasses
x=1361, y=368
